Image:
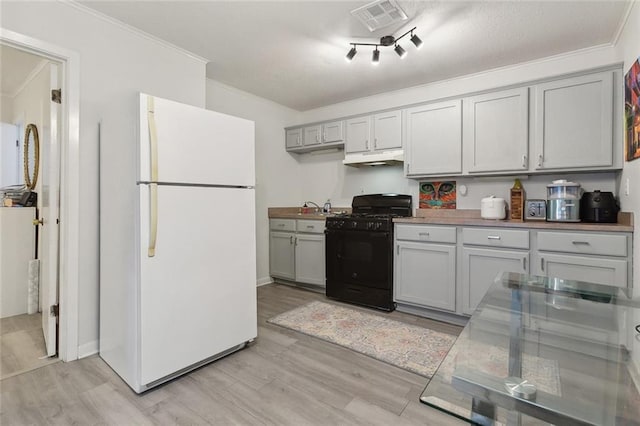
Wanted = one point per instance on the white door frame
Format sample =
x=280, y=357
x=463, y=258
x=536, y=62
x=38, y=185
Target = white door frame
x=69, y=183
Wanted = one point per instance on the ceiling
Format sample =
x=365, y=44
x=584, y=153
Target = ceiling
x=293, y=52
x=17, y=68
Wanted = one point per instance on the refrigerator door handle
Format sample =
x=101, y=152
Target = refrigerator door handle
x=153, y=219
x=153, y=187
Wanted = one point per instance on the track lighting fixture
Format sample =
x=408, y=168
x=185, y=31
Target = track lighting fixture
x=416, y=40
x=386, y=41
x=351, y=53
x=375, y=59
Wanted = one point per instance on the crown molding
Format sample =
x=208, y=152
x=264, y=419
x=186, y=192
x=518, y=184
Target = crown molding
x=132, y=29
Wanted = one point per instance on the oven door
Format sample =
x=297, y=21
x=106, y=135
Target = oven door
x=358, y=258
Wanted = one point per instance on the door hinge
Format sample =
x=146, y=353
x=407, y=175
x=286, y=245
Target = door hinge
x=53, y=311
x=56, y=95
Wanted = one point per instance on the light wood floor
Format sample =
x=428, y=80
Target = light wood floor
x=284, y=378
x=22, y=345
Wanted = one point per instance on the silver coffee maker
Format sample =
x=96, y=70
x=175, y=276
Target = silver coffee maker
x=563, y=201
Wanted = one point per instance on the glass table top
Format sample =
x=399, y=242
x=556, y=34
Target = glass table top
x=541, y=350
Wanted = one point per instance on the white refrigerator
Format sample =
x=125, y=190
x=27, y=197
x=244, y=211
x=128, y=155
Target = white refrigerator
x=177, y=241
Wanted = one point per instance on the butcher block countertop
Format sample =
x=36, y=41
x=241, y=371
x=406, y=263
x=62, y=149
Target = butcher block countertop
x=472, y=218
x=466, y=218
x=294, y=213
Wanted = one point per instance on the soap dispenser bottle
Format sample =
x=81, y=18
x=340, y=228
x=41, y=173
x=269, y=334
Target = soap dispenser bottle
x=327, y=207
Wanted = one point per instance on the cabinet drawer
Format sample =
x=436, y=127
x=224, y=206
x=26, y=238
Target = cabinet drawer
x=583, y=243
x=433, y=234
x=311, y=226
x=494, y=237
x=282, y=224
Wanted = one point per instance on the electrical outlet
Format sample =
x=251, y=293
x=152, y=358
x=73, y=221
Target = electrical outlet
x=626, y=187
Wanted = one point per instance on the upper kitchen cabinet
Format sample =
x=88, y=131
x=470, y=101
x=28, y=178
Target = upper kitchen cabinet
x=378, y=132
x=387, y=130
x=573, y=123
x=433, y=139
x=293, y=138
x=312, y=135
x=358, y=134
x=333, y=132
x=495, y=129
x=315, y=137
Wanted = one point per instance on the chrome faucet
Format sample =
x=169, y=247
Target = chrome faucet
x=318, y=208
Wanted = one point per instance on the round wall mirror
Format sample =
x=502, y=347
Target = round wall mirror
x=31, y=156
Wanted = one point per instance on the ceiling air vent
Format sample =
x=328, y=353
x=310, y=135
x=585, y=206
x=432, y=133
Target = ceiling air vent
x=379, y=14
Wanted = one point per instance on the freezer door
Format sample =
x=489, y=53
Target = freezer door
x=181, y=143
x=198, y=293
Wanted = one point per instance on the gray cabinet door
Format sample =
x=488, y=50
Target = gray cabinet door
x=480, y=267
x=309, y=256
x=293, y=138
x=496, y=135
x=433, y=142
x=573, y=123
x=333, y=132
x=599, y=270
x=425, y=275
x=312, y=135
x=387, y=130
x=357, y=134
x=282, y=255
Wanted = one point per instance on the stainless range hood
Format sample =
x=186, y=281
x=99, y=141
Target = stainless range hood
x=386, y=158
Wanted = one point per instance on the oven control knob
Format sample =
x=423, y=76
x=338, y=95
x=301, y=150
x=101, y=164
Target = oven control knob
x=354, y=224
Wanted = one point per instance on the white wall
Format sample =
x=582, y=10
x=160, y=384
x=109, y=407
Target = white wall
x=115, y=63
x=628, y=49
x=277, y=173
x=9, y=156
x=6, y=105
x=32, y=106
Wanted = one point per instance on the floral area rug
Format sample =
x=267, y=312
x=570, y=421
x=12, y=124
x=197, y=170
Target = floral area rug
x=417, y=349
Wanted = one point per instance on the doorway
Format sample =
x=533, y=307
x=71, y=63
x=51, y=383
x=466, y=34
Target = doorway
x=30, y=212
x=64, y=160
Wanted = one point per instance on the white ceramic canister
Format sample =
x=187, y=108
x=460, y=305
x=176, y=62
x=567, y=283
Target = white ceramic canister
x=493, y=208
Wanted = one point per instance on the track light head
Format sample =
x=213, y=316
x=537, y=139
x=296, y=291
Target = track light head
x=351, y=54
x=416, y=41
x=375, y=59
x=400, y=51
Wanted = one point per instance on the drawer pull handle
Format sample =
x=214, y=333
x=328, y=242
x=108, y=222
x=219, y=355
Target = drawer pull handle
x=310, y=226
x=524, y=264
x=423, y=234
x=493, y=237
x=281, y=225
x=580, y=243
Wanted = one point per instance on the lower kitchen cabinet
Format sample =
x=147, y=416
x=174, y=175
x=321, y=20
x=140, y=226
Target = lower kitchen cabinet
x=425, y=266
x=425, y=275
x=487, y=252
x=481, y=266
x=282, y=255
x=296, y=250
x=601, y=258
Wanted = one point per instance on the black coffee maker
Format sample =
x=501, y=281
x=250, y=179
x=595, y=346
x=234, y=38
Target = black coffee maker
x=598, y=207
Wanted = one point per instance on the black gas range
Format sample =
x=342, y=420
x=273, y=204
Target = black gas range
x=359, y=250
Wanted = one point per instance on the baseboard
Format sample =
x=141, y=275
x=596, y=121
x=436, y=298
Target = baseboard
x=88, y=349
x=264, y=281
